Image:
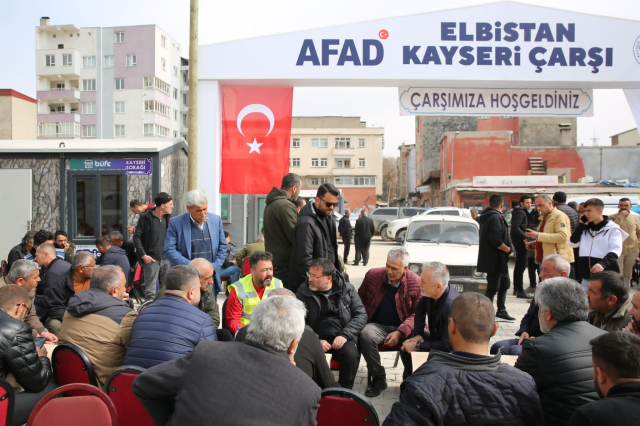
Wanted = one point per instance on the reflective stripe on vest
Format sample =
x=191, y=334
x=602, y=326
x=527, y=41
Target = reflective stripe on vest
x=248, y=296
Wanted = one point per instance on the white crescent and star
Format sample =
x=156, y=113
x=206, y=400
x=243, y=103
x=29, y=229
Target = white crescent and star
x=261, y=109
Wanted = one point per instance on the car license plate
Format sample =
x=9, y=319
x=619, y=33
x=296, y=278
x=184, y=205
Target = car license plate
x=458, y=287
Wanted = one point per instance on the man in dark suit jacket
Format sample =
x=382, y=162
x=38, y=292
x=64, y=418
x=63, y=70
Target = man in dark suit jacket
x=207, y=385
x=493, y=254
x=432, y=309
x=197, y=234
x=560, y=360
x=520, y=220
x=346, y=232
x=363, y=234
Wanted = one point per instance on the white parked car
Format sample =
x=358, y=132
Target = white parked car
x=452, y=240
x=398, y=228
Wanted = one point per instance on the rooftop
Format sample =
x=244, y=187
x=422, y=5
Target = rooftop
x=83, y=145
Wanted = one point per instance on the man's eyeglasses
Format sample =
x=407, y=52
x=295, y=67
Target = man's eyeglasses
x=329, y=205
x=28, y=308
x=309, y=275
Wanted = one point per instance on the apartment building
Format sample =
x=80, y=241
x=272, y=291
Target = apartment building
x=109, y=82
x=17, y=115
x=340, y=150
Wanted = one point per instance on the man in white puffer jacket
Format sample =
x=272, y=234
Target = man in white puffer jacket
x=599, y=240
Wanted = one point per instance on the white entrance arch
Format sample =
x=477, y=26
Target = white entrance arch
x=499, y=45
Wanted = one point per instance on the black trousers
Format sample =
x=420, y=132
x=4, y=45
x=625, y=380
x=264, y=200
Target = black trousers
x=521, y=265
x=349, y=358
x=25, y=402
x=347, y=247
x=534, y=271
x=498, y=282
x=362, y=250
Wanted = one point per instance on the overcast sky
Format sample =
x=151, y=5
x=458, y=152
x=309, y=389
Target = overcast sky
x=231, y=20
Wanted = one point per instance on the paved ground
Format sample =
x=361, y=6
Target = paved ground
x=379, y=249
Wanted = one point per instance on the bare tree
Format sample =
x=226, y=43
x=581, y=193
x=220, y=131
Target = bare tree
x=389, y=177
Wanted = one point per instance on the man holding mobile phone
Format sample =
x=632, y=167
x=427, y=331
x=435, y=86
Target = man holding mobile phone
x=600, y=241
x=28, y=365
x=520, y=222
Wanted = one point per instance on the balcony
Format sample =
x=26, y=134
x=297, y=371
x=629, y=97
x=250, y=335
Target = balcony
x=59, y=95
x=55, y=116
x=344, y=152
x=343, y=171
x=62, y=129
x=58, y=69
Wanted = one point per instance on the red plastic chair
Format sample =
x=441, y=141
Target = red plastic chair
x=93, y=408
x=71, y=365
x=246, y=266
x=119, y=387
x=334, y=364
x=6, y=403
x=344, y=407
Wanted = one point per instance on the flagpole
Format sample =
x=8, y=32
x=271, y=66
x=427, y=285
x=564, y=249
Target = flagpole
x=192, y=120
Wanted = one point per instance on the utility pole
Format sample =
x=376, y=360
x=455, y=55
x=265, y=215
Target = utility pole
x=192, y=120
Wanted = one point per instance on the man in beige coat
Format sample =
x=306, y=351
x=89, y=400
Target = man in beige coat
x=553, y=233
x=631, y=225
x=99, y=322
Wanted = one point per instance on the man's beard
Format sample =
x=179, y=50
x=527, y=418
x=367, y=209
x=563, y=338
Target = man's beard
x=267, y=281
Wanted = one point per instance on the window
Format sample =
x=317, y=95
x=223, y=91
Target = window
x=175, y=71
x=163, y=64
x=175, y=114
x=88, y=107
x=132, y=60
x=355, y=181
x=67, y=60
x=314, y=182
x=49, y=60
x=175, y=93
x=360, y=143
x=295, y=143
x=89, y=131
x=90, y=61
x=294, y=162
x=361, y=162
x=184, y=119
x=119, y=37
x=119, y=130
x=341, y=163
x=224, y=207
x=323, y=162
x=175, y=133
x=156, y=83
x=184, y=77
x=323, y=143
x=314, y=162
x=163, y=41
x=88, y=85
x=314, y=143
x=119, y=107
x=184, y=99
x=108, y=61
x=342, y=143
x=119, y=83
x=152, y=129
x=155, y=106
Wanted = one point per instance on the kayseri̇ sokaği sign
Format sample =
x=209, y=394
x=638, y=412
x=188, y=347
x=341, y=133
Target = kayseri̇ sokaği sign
x=512, y=102
x=132, y=166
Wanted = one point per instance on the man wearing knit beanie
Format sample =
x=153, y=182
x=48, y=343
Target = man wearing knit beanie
x=149, y=241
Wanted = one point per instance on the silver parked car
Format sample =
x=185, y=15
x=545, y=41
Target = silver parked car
x=383, y=215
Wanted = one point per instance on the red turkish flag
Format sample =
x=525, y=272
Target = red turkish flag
x=256, y=128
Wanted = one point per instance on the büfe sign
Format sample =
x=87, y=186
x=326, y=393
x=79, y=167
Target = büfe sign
x=131, y=166
x=510, y=102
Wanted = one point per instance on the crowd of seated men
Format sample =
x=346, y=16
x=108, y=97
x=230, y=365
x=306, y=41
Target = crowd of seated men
x=578, y=352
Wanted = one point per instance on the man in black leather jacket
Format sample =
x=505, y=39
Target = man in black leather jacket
x=520, y=220
x=29, y=366
x=560, y=360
